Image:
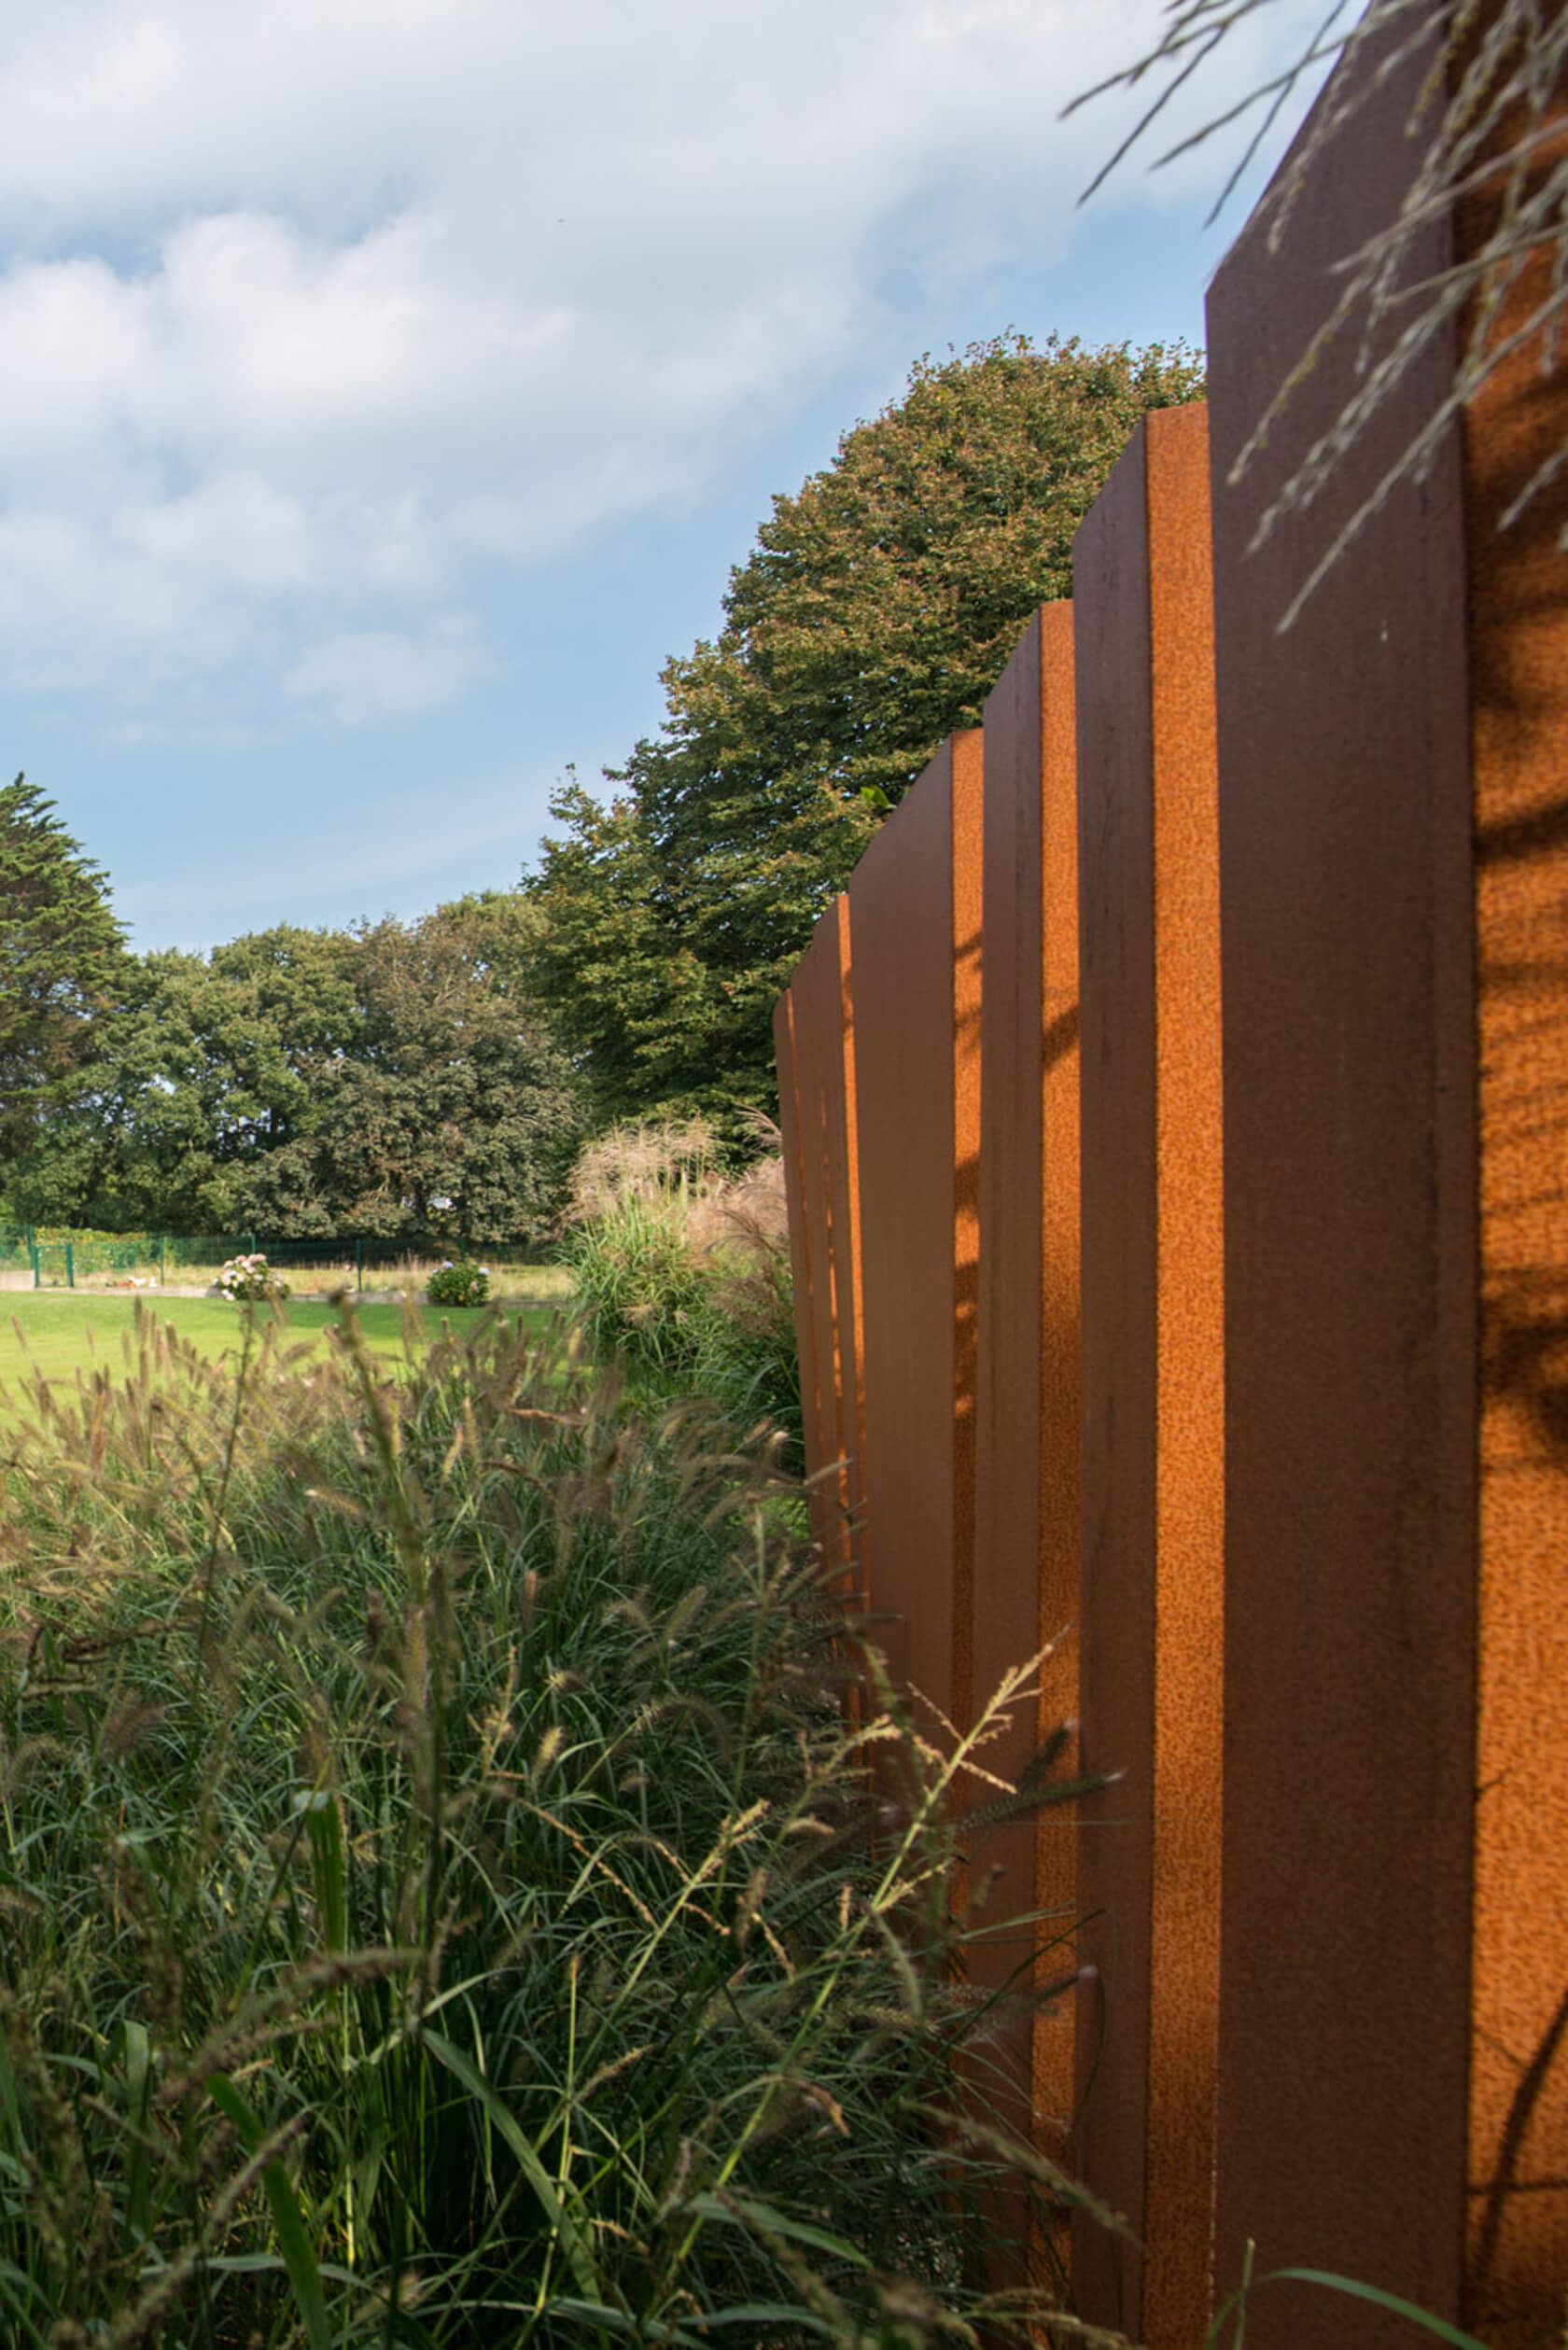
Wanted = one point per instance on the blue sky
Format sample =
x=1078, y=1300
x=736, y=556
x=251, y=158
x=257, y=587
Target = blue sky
x=389, y=388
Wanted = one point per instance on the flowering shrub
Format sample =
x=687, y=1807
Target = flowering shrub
x=462, y=1284
x=249, y=1279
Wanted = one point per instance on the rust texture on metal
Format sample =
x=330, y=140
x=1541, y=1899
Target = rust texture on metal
x=1351, y=1315
x=1202, y=1276
x=1516, y=594
x=1189, y=1628
x=1027, y=1370
x=816, y=1019
x=852, y=1336
x=914, y=916
x=801, y=1274
x=1153, y=1395
x=968, y=789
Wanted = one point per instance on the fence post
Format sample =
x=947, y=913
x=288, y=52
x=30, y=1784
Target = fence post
x=359, y=1261
x=33, y=1252
x=816, y=1047
x=914, y=924
x=1393, y=2079
x=251, y=1238
x=70, y=1267
x=1026, y=1404
x=1152, y=1379
x=163, y=1276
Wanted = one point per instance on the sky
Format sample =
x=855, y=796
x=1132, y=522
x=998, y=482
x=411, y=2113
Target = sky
x=389, y=388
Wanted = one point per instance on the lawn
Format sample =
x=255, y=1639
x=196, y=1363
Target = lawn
x=60, y=1332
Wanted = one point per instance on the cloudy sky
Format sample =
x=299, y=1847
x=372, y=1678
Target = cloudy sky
x=389, y=384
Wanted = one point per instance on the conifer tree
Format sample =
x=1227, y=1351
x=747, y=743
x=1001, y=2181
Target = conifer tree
x=62, y=961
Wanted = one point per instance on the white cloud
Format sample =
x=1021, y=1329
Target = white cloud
x=308, y=308
x=367, y=674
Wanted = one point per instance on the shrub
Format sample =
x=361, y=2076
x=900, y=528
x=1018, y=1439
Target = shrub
x=639, y=1289
x=749, y=1360
x=250, y=1280
x=643, y=1160
x=683, y=1271
x=459, y=1285
x=443, y=1903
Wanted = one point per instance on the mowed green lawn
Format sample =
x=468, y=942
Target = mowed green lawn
x=45, y=1332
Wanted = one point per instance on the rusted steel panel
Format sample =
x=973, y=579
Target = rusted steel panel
x=1153, y=1392
x=1517, y=595
x=802, y=1269
x=819, y=1017
x=1352, y=1333
x=913, y=922
x=966, y=751
x=1057, y=1617
x=1026, y=1573
x=846, y=1222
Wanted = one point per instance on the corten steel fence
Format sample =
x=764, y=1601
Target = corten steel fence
x=1175, y=1109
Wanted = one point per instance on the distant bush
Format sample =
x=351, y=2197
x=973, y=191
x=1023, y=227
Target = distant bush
x=459, y=1285
x=640, y=1288
x=684, y=1270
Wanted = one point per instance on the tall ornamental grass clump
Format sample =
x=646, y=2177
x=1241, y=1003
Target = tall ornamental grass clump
x=682, y=1269
x=442, y=1902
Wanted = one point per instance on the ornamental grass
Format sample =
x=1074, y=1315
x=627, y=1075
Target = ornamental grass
x=442, y=1901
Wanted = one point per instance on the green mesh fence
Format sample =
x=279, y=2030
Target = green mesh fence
x=52, y=1258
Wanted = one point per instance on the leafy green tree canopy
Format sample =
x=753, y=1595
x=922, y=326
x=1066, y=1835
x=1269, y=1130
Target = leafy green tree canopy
x=878, y=607
x=208, y=1064
x=455, y=1112
x=395, y=1080
x=62, y=960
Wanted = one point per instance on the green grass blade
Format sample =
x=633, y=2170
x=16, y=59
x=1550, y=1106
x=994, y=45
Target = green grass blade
x=789, y=2313
x=299, y=2258
x=137, y=2052
x=740, y=2210
x=575, y=2244
x=1438, y=2327
x=691, y=2333
x=324, y=1826
x=10, y=2109
x=597, y=2314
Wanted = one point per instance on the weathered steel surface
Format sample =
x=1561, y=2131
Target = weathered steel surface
x=813, y=1031
x=1152, y=1391
x=914, y=917
x=1027, y=1371
x=1345, y=843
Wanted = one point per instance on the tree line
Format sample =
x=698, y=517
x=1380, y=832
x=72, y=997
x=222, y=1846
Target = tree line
x=402, y=1077
x=389, y=1079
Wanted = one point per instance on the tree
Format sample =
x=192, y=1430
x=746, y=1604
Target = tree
x=455, y=1112
x=63, y=962
x=209, y=1065
x=879, y=605
x=394, y=1080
